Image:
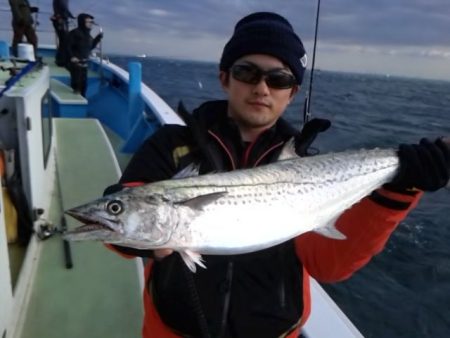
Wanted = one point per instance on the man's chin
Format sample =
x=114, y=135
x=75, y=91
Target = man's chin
x=257, y=122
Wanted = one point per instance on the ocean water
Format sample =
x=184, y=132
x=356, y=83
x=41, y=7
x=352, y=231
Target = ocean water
x=405, y=290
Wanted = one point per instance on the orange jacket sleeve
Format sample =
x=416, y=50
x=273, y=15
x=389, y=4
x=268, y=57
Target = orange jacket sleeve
x=367, y=226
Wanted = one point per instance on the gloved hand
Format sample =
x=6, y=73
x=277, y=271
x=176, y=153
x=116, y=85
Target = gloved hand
x=425, y=166
x=34, y=9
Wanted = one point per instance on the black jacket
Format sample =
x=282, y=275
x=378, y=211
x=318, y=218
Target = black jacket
x=80, y=43
x=21, y=12
x=250, y=295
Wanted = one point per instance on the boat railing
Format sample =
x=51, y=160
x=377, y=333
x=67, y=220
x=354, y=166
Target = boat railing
x=143, y=111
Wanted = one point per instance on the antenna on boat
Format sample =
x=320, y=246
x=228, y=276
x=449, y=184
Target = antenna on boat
x=307, y=106
x=36, y=17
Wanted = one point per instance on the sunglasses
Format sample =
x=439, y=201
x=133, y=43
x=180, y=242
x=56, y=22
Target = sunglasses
x=252, y=74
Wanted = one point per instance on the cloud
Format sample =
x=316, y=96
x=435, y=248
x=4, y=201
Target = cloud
x=412, y=29
x=410, y=51
x=158, y=12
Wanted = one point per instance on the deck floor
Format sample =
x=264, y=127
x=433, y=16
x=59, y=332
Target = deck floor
x=100, y=296
x=57, y=71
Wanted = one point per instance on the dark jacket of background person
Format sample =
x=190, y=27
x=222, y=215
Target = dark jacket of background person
x=80, y=43
x=21, y=12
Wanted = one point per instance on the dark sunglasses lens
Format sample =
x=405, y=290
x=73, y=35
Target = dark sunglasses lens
x=246, y=73
x=280, y=80
x=250, y=74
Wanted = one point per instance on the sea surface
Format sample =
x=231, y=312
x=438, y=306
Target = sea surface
x=405, y=290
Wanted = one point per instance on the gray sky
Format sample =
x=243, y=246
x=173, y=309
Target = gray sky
x=403, y=37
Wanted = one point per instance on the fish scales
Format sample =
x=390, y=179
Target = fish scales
x=294, y=197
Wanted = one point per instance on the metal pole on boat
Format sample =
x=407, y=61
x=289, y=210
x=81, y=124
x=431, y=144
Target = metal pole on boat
x=135, y=103
x=36, y=18
x=101, y=56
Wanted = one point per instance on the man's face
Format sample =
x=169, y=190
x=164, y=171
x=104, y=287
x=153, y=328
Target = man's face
x=256, y=106
x=88, y=22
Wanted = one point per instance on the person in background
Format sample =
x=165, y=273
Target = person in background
x=80, y=43
x=60, y=21
x=22, y=24
x=263, y=294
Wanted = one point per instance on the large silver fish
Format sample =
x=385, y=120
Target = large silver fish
x=239, y=211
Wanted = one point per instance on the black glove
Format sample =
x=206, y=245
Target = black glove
x=34, y=9
x=425, y=166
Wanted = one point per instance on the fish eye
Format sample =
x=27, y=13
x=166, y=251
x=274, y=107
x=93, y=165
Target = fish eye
x=114, y=207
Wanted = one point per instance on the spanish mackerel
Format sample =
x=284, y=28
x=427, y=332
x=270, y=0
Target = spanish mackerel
x=239, y=211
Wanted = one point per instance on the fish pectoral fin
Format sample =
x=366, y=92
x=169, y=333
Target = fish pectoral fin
x=288, y=151
x=192, y=258
x=330, y=231
x=200, y=201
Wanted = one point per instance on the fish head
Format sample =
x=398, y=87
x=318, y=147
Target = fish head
x=128, y=219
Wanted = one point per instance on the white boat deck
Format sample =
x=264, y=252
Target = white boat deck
x=101, y=295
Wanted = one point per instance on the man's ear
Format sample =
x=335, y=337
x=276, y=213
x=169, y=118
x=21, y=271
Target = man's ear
x=224, y=78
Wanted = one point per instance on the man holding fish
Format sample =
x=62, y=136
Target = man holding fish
x=256, y=280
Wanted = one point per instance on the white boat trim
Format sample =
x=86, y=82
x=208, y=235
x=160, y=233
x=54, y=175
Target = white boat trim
x=326, y=318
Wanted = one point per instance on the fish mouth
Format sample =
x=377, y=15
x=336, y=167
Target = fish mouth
x=91, y=224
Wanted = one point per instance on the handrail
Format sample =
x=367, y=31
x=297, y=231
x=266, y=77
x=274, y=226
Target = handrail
x=13, y=79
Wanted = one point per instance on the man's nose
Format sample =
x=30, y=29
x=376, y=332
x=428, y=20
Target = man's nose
x=261, y=87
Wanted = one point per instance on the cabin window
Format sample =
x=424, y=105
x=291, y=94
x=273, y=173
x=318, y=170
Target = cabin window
x=46, y=116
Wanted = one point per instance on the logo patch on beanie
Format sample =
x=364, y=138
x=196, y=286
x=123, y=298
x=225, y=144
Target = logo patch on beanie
x=304, y=60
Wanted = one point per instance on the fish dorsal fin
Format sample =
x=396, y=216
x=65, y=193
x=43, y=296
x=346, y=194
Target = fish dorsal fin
x=288, y=151
x=198, y=202
x=189, y=171
x=191, y=259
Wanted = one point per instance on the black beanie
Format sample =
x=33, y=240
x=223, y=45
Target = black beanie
x=266, y=33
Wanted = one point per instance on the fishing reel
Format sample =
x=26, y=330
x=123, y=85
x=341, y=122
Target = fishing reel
x=47, y=230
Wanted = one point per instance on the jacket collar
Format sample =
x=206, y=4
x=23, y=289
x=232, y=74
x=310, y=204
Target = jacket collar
x=212, y=116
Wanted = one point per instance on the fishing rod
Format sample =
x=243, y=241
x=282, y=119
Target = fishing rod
x=101, y=57
x=307, y=105
x=100, y=48
x=36, y=16
x=9, y=11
